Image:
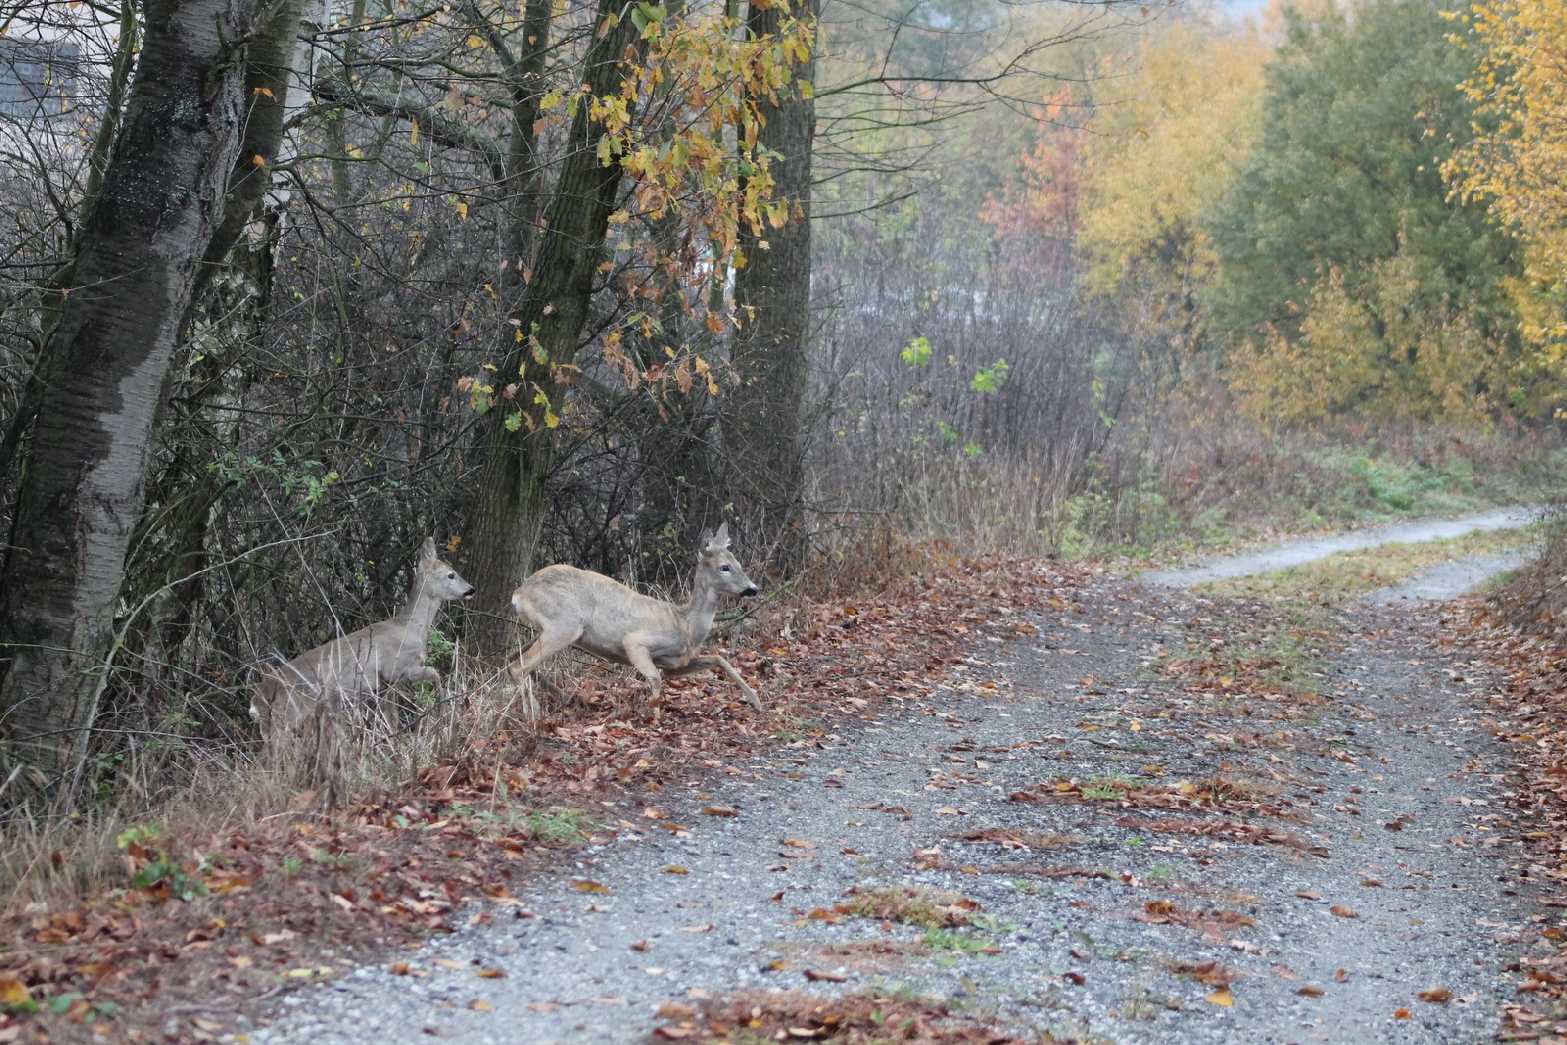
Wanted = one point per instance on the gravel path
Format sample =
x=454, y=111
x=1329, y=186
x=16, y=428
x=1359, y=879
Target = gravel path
x=1351, y=855
x=1310, y=549
x=1451, y=579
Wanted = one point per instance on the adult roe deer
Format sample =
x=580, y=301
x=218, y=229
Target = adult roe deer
x=572, y=607
x=354, y=667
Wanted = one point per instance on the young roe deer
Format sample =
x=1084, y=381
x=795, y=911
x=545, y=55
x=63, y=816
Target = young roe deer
x=572, y=607
x=354, y=667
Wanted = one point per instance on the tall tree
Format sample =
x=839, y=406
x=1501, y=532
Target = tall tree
x=1518, y=159
x=1342, y=263
x=761, y=419
x=509, y=510
x=162, y=202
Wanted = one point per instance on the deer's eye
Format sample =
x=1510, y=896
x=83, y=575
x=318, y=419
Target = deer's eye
x=452, y=576
x=724, y=568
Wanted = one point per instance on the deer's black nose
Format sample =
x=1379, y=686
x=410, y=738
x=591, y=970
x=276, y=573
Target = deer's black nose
x=749, y=591
x=469, y=593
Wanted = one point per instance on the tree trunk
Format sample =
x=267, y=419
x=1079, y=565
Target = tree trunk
x=508, y=513
x=163, y=196
x=761, y=418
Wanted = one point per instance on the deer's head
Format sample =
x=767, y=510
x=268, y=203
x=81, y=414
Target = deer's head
x=439, y=578
x=717, y=564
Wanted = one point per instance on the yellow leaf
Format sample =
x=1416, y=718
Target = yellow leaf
x=587, y=885
x=1221, y=997
x=258, y=160
x=462, y=209
x=413, y=131
x=475, y=42
x=13, y=991
x=265, y=92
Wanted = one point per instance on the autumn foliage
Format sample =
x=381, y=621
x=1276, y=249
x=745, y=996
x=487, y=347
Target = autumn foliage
x=1517, y=160
x=1317, y=212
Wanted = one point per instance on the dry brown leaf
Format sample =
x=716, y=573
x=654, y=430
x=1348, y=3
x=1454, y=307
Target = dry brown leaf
x=1341, y=911
x=1436, y=995
x=1309, y=991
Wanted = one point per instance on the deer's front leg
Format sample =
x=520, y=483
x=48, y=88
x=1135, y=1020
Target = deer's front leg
x=424, y=673
x=714, y=662
x=638, y=656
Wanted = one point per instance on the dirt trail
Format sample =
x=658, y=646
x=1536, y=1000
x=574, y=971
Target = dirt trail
x=1329, y=855
x=1310, y=549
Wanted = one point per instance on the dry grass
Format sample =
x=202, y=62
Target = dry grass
x=916, y=905
x=48, y=859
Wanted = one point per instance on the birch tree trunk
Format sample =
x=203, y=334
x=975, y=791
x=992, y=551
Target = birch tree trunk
x=81, y=495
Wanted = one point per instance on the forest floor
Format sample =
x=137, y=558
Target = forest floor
x=1126, y=810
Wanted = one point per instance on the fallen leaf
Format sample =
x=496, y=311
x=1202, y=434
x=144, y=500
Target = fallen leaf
x=1401, y=1014
x=587, y=885
x=491, y=974
x=400, y=969
x=13, y=991
x=1222, y=997
x=1309, y=991
x=677, y=869
x=480, y=1005
x=674, y=1010
x=831, y=977
x=1436, y=995
x=1309, y=894
x=720, y=811
x=1341, y=911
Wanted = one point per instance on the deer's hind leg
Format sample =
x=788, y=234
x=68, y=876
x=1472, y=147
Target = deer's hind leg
x=552, y=639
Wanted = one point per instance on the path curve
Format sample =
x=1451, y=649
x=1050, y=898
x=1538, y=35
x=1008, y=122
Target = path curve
x=1310, y=549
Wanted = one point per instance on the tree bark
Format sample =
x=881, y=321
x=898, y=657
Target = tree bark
x=163, y=196
x=761, y=418
x=508, y=513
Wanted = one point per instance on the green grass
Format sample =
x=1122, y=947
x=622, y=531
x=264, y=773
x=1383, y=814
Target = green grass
x=551, y=826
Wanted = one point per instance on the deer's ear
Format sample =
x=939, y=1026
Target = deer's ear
x=427, y=550
x=721, y=538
